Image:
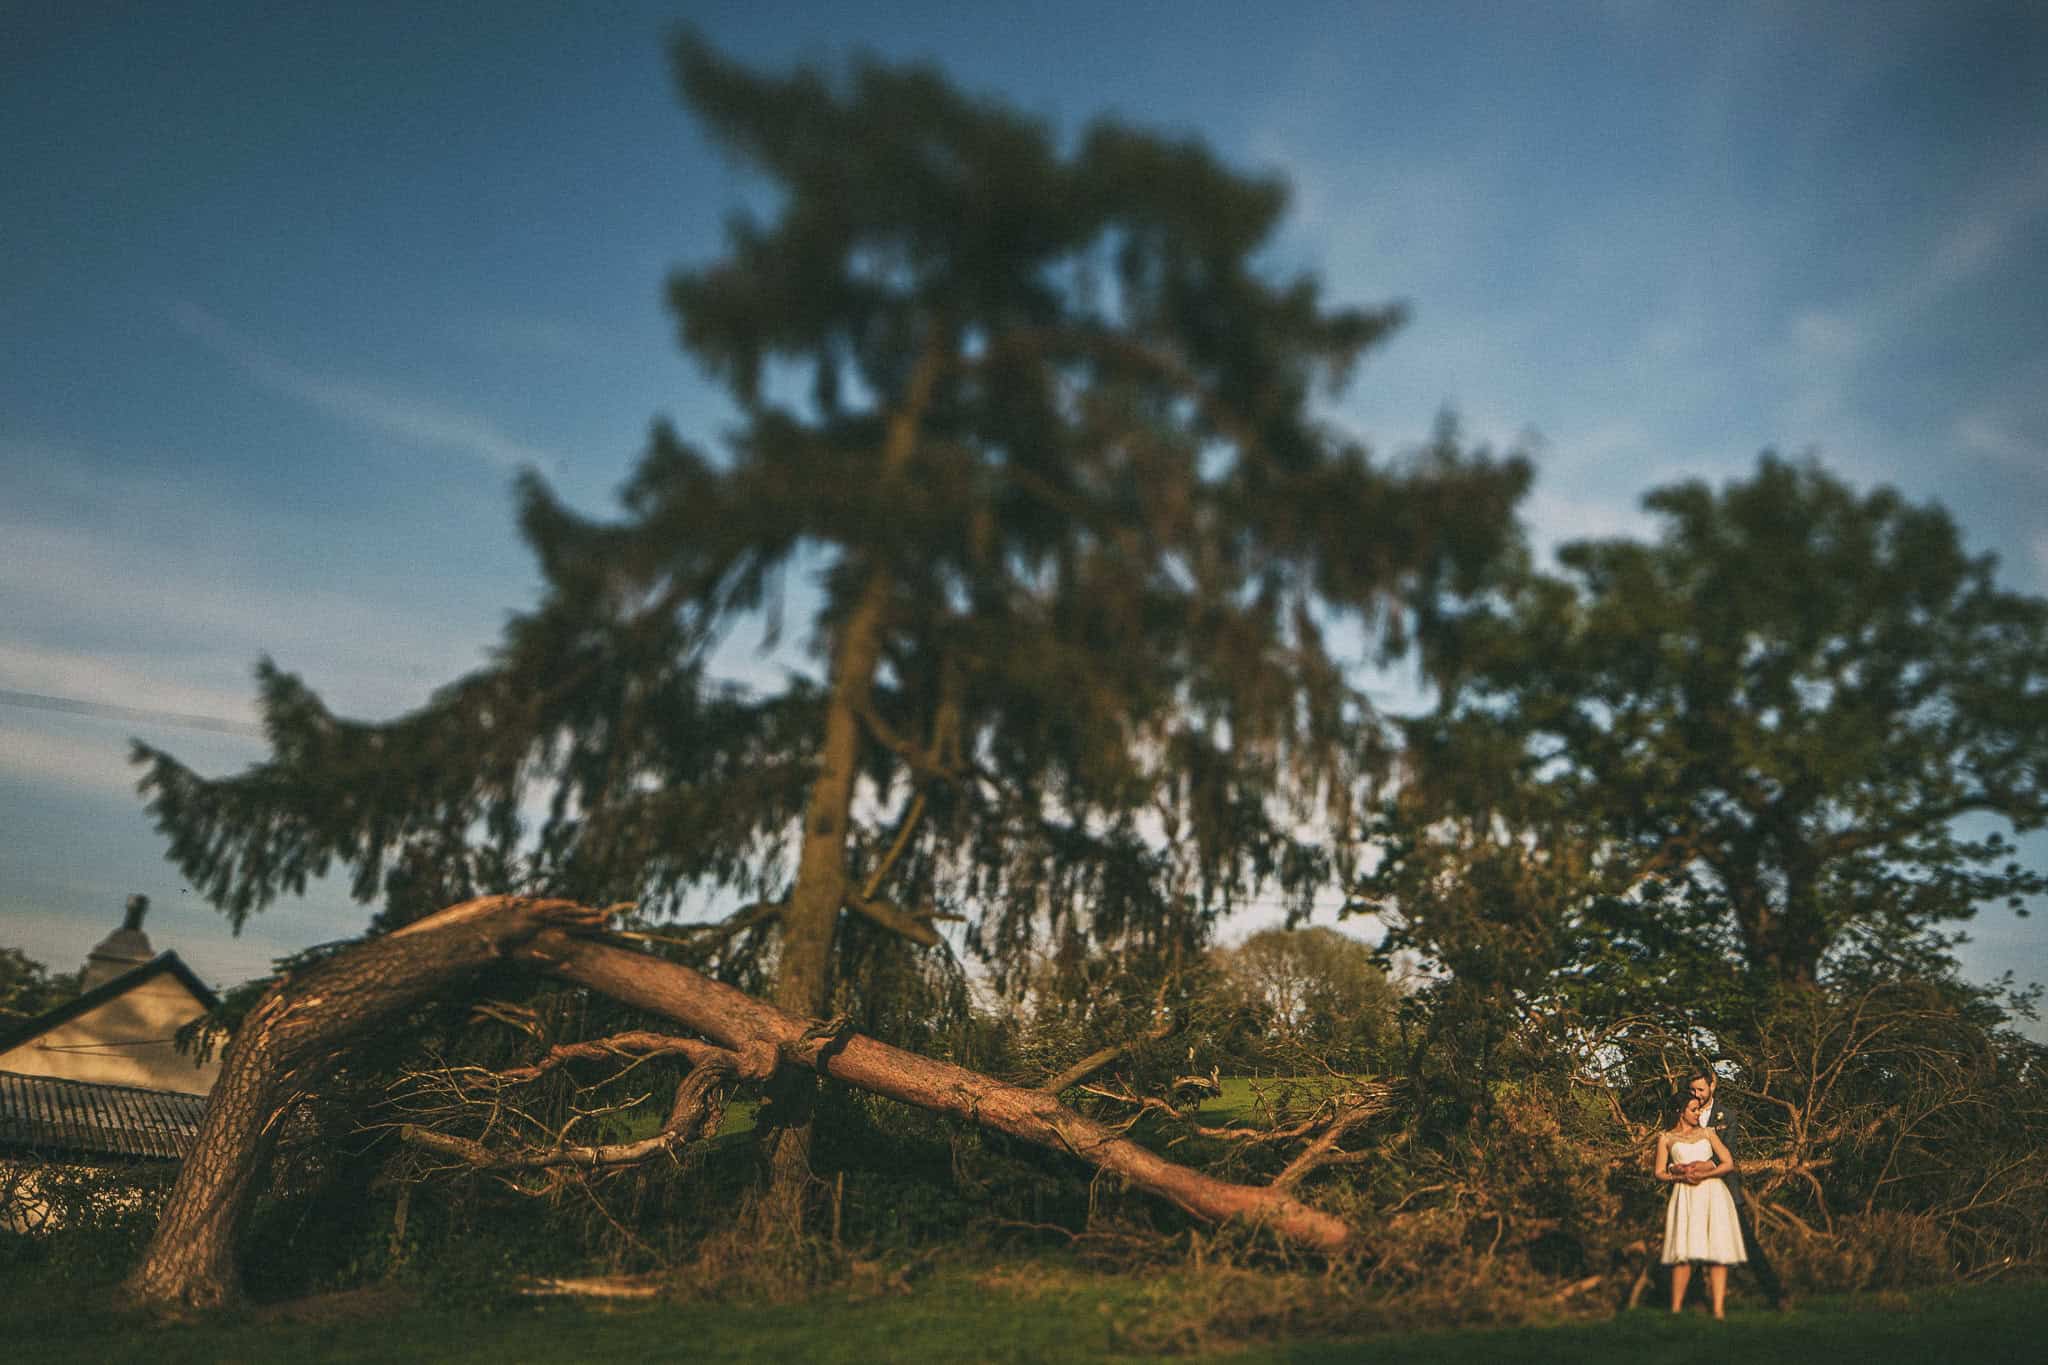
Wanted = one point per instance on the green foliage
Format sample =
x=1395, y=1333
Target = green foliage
x=28, y=988
x=1890, y=1136
x=1302, y=998
x=1776, y=715
x=1042, y=426
x=83, y=1219
x=1923, y=1116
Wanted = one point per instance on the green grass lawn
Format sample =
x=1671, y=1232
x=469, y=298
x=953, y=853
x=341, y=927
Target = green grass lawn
x=1255, y=1099
x=984, y=1314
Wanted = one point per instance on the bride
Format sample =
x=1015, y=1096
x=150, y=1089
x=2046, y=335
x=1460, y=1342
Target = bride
x=1699, y=1222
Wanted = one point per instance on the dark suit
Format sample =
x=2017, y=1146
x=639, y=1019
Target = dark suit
x=1729, y=1130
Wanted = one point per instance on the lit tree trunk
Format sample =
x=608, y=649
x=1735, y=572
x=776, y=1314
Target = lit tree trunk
x=280, y=1052
x=810, y=921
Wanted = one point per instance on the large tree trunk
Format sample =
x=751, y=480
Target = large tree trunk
x=298, y=1029
x=1783, y=943
x=748, y=1026
x=288, y=1041
x=810, y=921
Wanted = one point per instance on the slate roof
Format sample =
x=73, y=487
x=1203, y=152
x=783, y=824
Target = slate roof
x=99, y=995
x=50, y=1115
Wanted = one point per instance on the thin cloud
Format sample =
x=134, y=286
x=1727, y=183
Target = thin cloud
x=365, y=656
x=1835, y=352
x=1983, y=433
x=94, y=678
x=416, y=421
x=1982, y=233
x=1990, y=226
x=118, y=590
x=185, y=925
x=97, y=765
x=1821, y=336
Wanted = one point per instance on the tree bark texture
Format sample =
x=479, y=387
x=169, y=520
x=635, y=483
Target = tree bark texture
x=280, y=1052
x=810, y=920
x=293, y=1035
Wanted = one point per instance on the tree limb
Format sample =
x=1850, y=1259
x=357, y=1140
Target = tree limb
x=1322, y=1152
x=904, y=830
x=738, y=1021
x=686, y=1120
x=308, y=1019
x=917, y=930
x=1163, y=1025
x=286, y=1043
x=612, y=1287
x=638, y=1043
x=915, y=757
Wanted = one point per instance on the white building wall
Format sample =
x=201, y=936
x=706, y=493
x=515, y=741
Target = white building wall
x=129, y=1040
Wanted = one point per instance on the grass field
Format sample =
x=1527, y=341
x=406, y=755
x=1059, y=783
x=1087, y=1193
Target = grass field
x=985, y=1314
x=1253, y=1099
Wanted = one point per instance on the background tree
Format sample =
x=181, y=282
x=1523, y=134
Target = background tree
x=1536, y=929
x=1788, y=714
x=1039, y=428
x=28, y=988
x=1309, y=993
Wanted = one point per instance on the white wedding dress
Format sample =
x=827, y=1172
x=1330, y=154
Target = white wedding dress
x=1699, y=1222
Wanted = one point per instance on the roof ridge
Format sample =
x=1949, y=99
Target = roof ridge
x=165, y=961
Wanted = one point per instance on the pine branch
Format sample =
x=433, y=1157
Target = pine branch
x=1323, y=1151
x=1163, y=1025
x=916, y=928
x=896, y=848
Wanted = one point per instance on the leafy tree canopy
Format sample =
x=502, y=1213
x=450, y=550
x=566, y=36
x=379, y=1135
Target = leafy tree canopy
x=1041, y=429
x=1780, y=730
x=1311, y=990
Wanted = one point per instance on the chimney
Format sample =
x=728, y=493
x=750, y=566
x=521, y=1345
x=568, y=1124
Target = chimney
x=120, y=952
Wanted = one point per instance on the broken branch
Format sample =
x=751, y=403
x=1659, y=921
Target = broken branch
x=1161, y=1029
x=686, y=1121
x=737, y=1020
x=918, y=930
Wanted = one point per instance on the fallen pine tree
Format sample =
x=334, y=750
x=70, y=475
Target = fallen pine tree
x=294, y=1035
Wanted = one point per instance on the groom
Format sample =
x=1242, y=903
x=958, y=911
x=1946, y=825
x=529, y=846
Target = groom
x=1702, y=1084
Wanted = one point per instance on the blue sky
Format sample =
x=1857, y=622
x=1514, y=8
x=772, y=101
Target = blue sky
x=291, y=291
